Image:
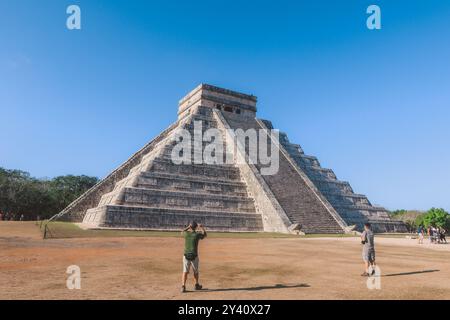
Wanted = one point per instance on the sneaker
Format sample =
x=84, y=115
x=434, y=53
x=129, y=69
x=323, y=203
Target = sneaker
x=365, y=274
x=198, y=287
x=183, y=289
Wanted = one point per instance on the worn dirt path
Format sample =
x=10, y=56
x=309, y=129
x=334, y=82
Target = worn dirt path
x=149, y=268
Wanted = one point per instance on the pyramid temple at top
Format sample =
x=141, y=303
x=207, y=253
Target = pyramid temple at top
x=151, y=191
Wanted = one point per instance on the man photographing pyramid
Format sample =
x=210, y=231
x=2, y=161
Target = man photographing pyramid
x=190, y=257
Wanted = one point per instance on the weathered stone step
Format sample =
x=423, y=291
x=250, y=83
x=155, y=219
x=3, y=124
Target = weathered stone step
x=194, y=146
x=164, y=158
x=224, y=160
x=341, y=194
x=293, y=149
x=195, y=152
x=384, y=225
x=360, y=207
x=304, y=160
x=208, y=122
x=320, y=175
x=328, y=185
x=340, y=203
x=171, y=218
x=229, y=172
x=192, y=131
x=185, y=199
x=313, y=224
x=320, y=170
x=191, y=183
x=192, y=177
x=350, y=200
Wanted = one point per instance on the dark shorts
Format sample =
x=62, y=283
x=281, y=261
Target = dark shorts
x=368, y=255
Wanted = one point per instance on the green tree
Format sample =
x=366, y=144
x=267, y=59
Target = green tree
x=411, y=218
x=65, y=189
x=420, y=220
x=398, y=212
x=437, y=217
x=22, y=194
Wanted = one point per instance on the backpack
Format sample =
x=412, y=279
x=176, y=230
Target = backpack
x=190, y=256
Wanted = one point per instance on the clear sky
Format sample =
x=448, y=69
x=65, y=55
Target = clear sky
x=372, y=105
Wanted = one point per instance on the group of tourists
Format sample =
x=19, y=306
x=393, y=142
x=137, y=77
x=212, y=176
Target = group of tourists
x=435, y=234
x=11, y=217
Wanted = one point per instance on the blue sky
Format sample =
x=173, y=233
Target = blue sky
x=372, y=105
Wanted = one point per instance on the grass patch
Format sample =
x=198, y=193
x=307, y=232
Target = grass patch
x=325, y=235
x=61, y=230
x=395, y=235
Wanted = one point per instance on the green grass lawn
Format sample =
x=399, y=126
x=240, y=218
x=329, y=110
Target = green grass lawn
x=70, y=230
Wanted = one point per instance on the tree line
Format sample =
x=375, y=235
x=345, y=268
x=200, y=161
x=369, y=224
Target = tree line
x=435, y=217
x=22, y=195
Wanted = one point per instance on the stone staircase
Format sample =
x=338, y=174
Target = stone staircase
x=354, y=208
x=299, y=200
x=159, y=194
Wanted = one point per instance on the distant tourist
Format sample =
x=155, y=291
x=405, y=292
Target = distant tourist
x=437, y=233
x=434, y=237
x=190, y=257
x=430, y=234
x=420, y=232
x=368, y=252
x=442, y=235
x=22, y=217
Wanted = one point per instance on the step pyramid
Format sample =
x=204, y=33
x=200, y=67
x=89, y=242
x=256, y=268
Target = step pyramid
x=153, y=191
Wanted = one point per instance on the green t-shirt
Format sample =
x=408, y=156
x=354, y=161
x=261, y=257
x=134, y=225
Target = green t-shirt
x=191, y=241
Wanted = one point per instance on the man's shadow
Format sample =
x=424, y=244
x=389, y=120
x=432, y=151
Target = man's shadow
x=409, y=273
x=276, y=286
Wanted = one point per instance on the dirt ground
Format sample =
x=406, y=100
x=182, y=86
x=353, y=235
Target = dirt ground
x=231, y=268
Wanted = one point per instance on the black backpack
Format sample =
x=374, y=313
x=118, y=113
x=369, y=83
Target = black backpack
x=190, y=256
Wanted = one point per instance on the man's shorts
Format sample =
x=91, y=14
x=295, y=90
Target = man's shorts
x=368, y=255
x=187, y=264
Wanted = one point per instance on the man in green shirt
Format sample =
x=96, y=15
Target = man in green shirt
x=190, y=257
